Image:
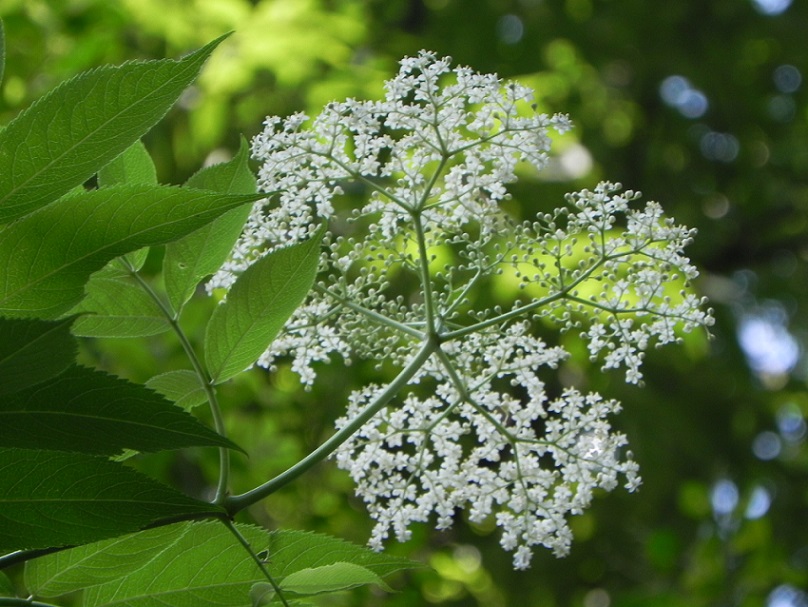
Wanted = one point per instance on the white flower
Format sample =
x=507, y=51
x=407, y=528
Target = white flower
x=405, y=277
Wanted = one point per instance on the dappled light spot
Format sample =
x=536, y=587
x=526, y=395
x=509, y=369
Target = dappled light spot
x=767, y=445
x=677, y=92
x=786, y=595
x=724, y=497
x=510, y=29
x=769, y=347
x=759, y=503
x=771, y=7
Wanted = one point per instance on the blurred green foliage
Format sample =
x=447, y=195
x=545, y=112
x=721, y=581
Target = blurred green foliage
x=701, y=105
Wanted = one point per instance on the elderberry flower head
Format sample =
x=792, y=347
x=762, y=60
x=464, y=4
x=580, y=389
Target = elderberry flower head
x=406, y=277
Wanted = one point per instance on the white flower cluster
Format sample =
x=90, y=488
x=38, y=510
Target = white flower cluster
x=409, y=269
x=514, y=454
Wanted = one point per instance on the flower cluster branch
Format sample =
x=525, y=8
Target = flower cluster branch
x=409, y=267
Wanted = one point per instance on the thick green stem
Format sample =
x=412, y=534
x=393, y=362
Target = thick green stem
x=236, y=503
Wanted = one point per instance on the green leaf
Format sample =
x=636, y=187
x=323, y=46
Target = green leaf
x=134, y=166
x=68, y=135
x=99, y=562
x=331, y=578
x=182, y=387
x=190, y=564
x=91, y=412
x=202, y=564
x=291, y=551
x=51, y=499
x=33, y=351
x=46, y=257
x=6, y=587
x=118, y=307
x=203, y=252
x=2, y=51
x=257, y=306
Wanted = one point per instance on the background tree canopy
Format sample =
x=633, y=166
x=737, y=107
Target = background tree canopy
x=700, y=105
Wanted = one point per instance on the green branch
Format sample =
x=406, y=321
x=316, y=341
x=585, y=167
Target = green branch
x=236, y=503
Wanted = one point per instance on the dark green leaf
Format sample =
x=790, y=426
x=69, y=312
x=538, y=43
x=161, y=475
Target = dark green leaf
x=257, y=306
x=182, y=387
x=6, y=588
x=68, y=135
x=92, y=412
x=46, y=257
x=202, y=253
x=51, y=498
x=133, y=167
x=33, y=351
x=118, y=307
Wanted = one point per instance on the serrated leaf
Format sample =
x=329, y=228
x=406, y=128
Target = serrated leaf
x=190, y=259
x=202, y=565
x=99, y=562
x=6, y=587
x=257, y=306
x=191, y=564
x=50, y=499
x=117, y=307
x=32, y=351
x=73, y=131
x=331, y=578
x=291, y=551
x=134, y=166
x=91, y=412
x=46, y=257
x=181, y=386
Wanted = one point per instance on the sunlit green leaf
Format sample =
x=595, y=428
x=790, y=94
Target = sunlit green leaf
x=52, y=498
x=68, y=135
x=202, y=252
x=92, y=412
x=181, y=386
x=118, y=307
x=331, y=578
x=33, y=351
x=291, y=551
x=191, y=564
x=202, y=564
x=134, y=166
x=257, y=306
x=46, y=257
